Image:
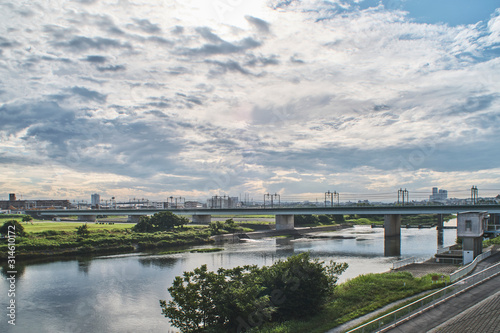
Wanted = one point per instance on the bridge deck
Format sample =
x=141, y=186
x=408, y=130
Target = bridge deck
x=336, y=210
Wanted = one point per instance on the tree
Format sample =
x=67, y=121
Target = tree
x=159, y=222
x=27, y=218
x=303, y=284
x=144, y=225
x=244, y=297
x=208, y=301
x=12, y=225
x=83, y=231
x=167, y=221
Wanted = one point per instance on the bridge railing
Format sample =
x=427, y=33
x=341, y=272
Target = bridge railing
x=431, y=300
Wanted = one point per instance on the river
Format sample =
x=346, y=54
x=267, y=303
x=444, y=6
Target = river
x=120, y=293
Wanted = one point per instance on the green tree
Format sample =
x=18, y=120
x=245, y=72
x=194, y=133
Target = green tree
x=306, y=219
x=12, y=225
x=246, y=297
x=207, y=301
x=303, y=284
x=144, y=225
x=167, y=221
x=83, y=231
x=27, y=218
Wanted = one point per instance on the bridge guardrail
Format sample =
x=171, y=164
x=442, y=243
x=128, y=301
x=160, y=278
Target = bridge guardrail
x=434, y=299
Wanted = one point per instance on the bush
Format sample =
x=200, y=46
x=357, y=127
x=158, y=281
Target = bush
x=12, y=226
x=244, y=297
x=83, y=230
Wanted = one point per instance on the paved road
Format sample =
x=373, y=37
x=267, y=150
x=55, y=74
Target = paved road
x=475, y=310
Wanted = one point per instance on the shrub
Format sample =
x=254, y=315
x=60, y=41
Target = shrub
x=12, y=225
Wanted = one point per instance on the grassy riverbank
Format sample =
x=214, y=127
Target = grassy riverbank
x=355, y=298
x=43, y=239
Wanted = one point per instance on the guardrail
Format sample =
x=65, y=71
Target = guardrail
x=429, y=301
x=404, y=262
x=443, y=250
x=467, y=269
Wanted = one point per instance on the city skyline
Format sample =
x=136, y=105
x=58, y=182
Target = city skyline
x=201, y=98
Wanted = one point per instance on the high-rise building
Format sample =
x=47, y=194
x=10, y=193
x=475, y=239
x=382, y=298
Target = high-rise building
x=95, y=200
x=438, y=195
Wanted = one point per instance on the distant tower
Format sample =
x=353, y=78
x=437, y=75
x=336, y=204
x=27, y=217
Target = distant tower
x=95, y=200
x=12, y=197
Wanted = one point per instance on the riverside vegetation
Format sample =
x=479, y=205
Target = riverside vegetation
x=298, y=294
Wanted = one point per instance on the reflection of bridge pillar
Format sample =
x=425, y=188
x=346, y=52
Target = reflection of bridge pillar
x=392, y=235
x=284, y=222
x=87, y=218
x=440, y=238
x=202, y=219
x=440, y=221
x=134, y=218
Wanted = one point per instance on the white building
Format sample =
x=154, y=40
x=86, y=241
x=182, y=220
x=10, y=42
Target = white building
x=95, y=200
x=438, y=195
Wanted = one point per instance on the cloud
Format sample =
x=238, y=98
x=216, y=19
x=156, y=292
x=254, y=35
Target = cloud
x=295, y=97
x=82, y=43
x=145, y=25
x=96, y=59
x=114, y=68
x=261, y=25
x=88, y=94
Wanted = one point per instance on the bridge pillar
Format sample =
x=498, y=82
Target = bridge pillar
x=284, y=222
x=87, y=218
x=202, y=219
x=134, y=218
x=440, y=221
x=392, y=235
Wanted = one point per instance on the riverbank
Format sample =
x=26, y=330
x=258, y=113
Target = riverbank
x=58, y=239
x=102, y=239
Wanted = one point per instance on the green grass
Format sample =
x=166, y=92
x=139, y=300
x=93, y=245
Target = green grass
x=43, y=239
x=37, y=227
x=493, y=241
x=355, y=298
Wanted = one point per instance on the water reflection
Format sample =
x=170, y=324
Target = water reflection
x=162, y=262
x=392, y=246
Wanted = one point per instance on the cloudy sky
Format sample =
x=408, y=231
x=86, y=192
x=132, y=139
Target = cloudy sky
x=192, y=98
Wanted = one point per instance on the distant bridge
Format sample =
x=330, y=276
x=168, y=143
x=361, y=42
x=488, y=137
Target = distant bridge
x=335, y=210
x=285, y=215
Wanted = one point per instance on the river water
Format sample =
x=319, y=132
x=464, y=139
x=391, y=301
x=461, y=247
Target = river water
x=121, y=293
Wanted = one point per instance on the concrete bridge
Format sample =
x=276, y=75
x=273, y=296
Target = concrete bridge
x=285, y=215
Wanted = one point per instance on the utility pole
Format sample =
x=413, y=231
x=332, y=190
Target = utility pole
x=474, y=195
x=276, y=195
x=403, y=194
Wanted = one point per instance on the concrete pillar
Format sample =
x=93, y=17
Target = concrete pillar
x=87, y=218
x=474, y=244
x=202, y=219
x=284, y=222
x=134, y=218
x=392, y=235
x=440, y=221
x=392, y=225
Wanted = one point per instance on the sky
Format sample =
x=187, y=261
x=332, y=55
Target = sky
x=195, y=98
